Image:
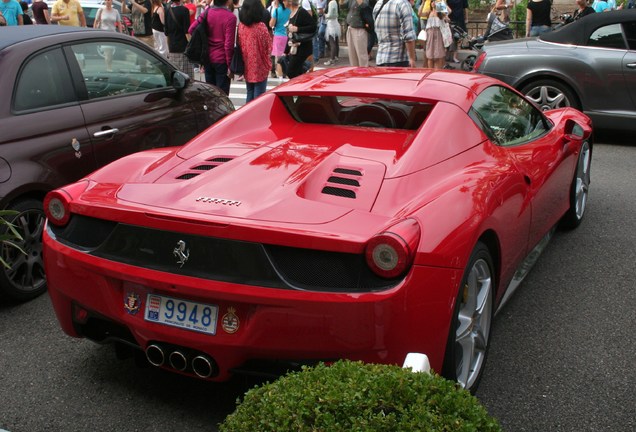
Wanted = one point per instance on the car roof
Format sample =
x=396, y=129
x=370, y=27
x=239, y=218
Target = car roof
x=12, y=35
x=455, y=87
x=578, y=32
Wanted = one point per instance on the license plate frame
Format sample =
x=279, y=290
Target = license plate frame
x=158, y=311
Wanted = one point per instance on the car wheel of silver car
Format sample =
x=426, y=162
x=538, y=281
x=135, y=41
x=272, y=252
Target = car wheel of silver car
x=579, y=189
x=550, y=94
x=468, y=63
x=469, y=333
x=23, y=278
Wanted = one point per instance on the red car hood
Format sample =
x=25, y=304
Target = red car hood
x=279, y=182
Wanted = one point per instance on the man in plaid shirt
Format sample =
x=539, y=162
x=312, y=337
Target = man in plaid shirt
x=396, y=35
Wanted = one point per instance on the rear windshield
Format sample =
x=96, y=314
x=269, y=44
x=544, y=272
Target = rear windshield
x=358, y=111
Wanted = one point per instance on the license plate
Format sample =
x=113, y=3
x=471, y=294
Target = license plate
x=184, y=314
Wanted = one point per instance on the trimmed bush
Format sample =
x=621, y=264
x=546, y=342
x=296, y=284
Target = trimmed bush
x=354, y=396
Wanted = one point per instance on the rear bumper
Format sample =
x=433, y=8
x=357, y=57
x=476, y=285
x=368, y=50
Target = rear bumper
x=272, y=324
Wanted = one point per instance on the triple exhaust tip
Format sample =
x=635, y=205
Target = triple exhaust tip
x=202, y=365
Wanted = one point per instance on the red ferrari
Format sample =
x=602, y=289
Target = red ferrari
x=351, y=213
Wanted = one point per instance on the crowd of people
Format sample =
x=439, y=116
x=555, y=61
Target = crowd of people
x=286, y=38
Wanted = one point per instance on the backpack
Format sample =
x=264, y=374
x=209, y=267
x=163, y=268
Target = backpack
x=197, y=49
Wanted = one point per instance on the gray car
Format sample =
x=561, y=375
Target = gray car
x=589, y=64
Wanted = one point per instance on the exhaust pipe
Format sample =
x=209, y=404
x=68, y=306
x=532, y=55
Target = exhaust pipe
x=155, y=355
x=178, y=360
x=202, y=366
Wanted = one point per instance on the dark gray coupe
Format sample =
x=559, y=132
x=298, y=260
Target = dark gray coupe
x=589, y=64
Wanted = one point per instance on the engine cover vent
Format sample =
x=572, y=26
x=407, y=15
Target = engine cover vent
x=213, y=162
x=344, y=182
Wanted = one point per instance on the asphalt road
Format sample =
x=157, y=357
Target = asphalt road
x=562, y=356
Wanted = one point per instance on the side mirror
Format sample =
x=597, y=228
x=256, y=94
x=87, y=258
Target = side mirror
x=574, y=131
x=180, y=80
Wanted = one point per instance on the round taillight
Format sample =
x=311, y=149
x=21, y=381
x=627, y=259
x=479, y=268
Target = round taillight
x=56, y=207
x=391, y=253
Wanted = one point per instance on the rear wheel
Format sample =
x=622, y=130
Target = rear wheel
x=579, y=189
x=469, y=63
x=24, y=279
x=550, y=94
x=469, y=333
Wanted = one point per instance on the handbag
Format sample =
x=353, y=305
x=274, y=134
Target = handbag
x=139, y=23
x=422, y=35
x=197, y=49
x=302, y=37
x=237, y=65
x=447, y=35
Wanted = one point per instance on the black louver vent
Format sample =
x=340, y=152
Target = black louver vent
x=197, y=169
x=343, y=183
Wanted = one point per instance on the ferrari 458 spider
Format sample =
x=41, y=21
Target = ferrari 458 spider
x=351, y=213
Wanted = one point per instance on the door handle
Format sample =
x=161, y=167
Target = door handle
x=105, y=132
x=631, y=65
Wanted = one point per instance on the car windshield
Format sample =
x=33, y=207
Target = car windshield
x=372, y=112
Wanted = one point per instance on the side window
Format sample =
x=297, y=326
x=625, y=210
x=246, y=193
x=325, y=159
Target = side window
x=507, y=118
x=38, y=90
x=609, y=36
x=114, y=68
x=630, y=32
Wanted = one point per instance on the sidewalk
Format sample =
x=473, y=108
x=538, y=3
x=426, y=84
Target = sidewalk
x=344, y=57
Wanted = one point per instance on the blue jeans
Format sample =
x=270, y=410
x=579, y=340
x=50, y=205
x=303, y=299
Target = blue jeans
x=319, y=42
x=254, y=90
x=216, y=73
x=539, y=30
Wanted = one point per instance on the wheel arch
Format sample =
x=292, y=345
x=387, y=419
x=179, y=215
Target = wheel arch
x=547, y=75
x=491, y=241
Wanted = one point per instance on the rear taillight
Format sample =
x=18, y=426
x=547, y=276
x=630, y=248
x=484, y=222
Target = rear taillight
x=479, y=61
x=56, y=203
x=390, y=253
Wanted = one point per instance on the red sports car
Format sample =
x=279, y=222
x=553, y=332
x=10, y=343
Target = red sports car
x=352, y=213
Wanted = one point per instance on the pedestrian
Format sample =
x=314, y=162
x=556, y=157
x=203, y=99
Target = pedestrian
x=12, y=12
x=221, y=23
x=176, y=28
x=332, y=32
x=301, y=30
x=280, y=17
x=141, y=12
x=538, y=19
x=157, y=23
x=319, y=42
x=357, y=37
x=582, y=10
x=435, y=49
x=40, y=12
x=26, y=19
x=107, y=18
x=256, y=45
x=502, y=10
x=68, y=13
x=395, y=32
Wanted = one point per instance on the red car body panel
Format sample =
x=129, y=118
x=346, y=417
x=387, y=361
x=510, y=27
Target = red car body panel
x=267, y=189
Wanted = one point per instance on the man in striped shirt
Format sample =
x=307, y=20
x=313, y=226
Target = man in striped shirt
x=396, y=35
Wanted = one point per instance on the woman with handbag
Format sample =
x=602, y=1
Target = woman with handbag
x=301, y=31
x=255, y=45
x=158, y=21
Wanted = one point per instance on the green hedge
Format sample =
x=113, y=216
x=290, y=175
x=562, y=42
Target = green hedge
x=354, y=396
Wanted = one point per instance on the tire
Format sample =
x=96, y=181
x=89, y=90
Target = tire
x=468, y=63
x=550, y=94
x=25, y=278
x=469, y=333
x=579, y=189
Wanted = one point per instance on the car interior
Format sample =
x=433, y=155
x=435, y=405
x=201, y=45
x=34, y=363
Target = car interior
x=356, y=111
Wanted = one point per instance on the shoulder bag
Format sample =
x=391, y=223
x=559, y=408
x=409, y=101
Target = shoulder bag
x=237, y=65
x=197, y=49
